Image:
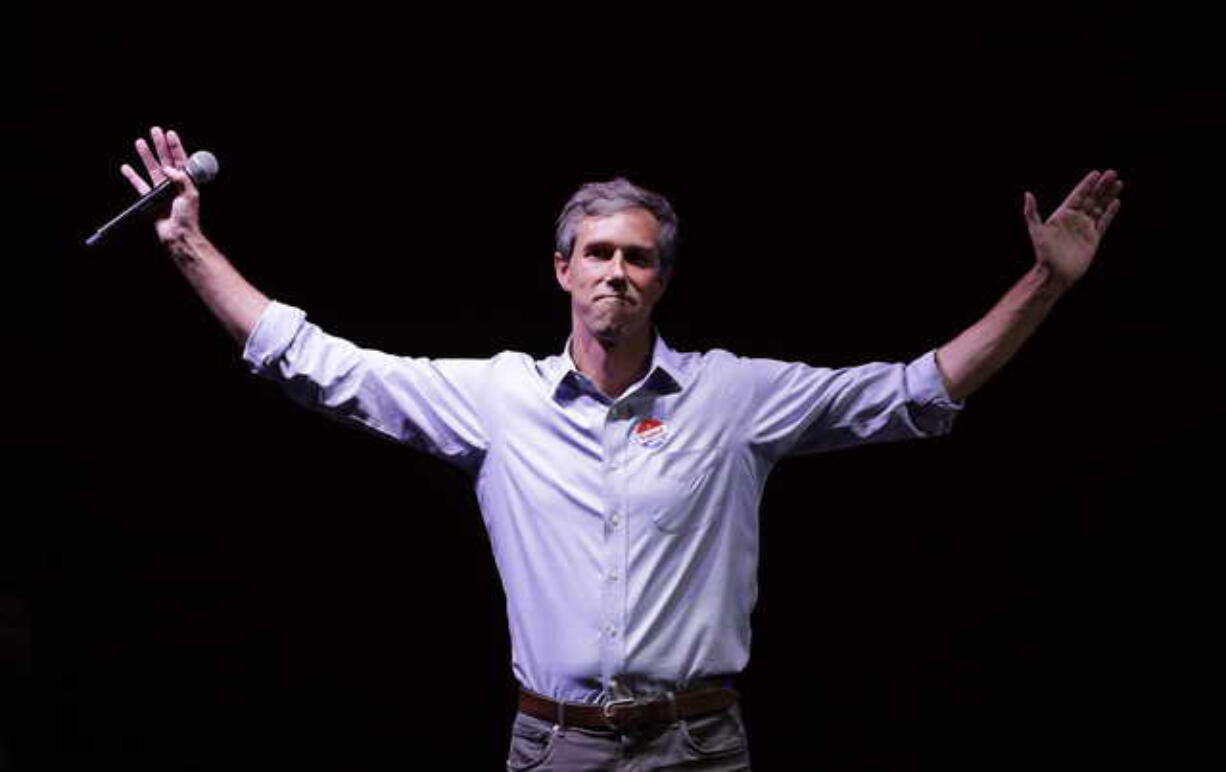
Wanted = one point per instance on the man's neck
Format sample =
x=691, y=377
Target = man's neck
x=612, y=366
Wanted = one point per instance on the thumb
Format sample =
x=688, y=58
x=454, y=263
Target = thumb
x=1030, y=210
x=180, y=178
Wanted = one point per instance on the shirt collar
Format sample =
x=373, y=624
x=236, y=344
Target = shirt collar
x=665, y=375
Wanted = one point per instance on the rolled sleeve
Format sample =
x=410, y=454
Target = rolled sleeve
x=430, y=404
x=931, y=407
x=272, y=335
x=805, y=409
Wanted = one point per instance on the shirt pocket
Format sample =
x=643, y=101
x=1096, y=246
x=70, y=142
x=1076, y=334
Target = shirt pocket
x=670, y=486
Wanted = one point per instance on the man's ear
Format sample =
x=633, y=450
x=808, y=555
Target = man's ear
x=666, y=276
x=561, y=269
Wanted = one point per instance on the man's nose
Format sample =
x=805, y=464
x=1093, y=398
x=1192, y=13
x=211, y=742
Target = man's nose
x=616, y=270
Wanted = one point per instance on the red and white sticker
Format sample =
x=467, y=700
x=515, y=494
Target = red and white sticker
x=650, y=432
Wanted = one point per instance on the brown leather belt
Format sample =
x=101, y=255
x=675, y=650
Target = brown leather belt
x=627, y=713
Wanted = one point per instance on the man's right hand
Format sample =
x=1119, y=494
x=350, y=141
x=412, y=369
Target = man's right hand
x=235, y=303
x=183, y=220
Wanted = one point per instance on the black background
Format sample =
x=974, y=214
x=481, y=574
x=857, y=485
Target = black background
x=213, y=578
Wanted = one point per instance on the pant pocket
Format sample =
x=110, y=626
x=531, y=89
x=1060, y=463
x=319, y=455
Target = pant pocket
x=715, y=734
x=532, y=740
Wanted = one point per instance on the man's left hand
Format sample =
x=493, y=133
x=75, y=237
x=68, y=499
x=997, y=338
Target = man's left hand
x=1066, y=243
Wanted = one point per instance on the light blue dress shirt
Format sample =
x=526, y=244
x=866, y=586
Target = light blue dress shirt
x=625, y=531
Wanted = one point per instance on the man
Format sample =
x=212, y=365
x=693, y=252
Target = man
x=619, y=480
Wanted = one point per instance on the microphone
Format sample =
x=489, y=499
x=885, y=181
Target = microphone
x=201, y=167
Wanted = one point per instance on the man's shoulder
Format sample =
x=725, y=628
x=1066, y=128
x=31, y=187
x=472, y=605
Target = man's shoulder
x=502, y=368
x=716, y=356
x=501, y=359
x=712, y=357
x=706, y=365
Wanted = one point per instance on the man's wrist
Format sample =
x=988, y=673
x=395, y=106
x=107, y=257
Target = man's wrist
x=1047, y=282
x=188, y=247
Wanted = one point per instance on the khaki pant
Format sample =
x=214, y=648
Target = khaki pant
x=715, y=741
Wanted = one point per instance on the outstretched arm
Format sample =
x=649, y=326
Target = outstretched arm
x=231, y=298
x=1064, y=247
x=430, y=404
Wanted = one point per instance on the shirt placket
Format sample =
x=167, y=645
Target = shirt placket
x=615, y=545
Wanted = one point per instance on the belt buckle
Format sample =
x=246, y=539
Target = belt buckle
x=606, y=710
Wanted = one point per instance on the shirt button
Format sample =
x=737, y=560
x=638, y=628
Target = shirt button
x=614, y=520
x=611, y=631
x=612, y=576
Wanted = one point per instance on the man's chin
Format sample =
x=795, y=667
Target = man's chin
x=614, y=329
x=612, y=332
x=610, y=335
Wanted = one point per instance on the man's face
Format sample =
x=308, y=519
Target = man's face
x=614, y=275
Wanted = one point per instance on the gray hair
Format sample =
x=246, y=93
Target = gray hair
x=602, y=198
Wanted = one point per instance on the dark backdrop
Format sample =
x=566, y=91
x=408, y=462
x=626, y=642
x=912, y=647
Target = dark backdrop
x=216, y=579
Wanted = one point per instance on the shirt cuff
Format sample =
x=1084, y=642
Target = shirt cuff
x=272, y=334
x=925, y=384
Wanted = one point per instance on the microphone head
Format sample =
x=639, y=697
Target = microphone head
x=202, y=167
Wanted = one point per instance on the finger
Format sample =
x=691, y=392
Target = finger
x=141, y=186
x=180, y=178
x=159, y=142
x=151, y=164
x=1077, y=199
x=1030, y=209
x=1109, y=216
x=1103, y=190
x=1105, y=182
x=1104, y=198
x=177, y=153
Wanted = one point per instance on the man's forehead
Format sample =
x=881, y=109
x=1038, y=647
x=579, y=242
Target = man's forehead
x=635, y=223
